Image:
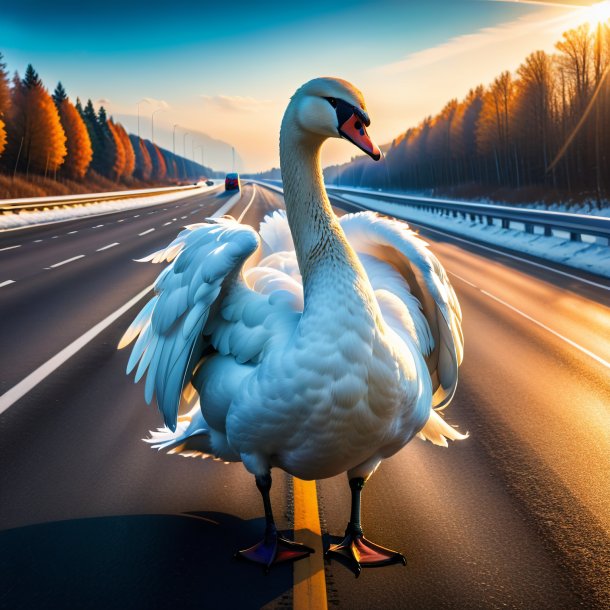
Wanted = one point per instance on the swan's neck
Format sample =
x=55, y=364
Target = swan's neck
x=323, y=253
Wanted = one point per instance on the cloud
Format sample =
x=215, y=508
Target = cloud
x=103, y=101
x=235, y=103
x=157, y=103
x=485, y=37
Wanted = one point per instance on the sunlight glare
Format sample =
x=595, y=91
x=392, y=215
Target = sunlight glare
x=598, y=13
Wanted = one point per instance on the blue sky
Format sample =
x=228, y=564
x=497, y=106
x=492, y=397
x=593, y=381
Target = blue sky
x=228, y=68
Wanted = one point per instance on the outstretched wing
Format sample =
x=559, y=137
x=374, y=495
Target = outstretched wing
x=205, y=262
x=405, y=274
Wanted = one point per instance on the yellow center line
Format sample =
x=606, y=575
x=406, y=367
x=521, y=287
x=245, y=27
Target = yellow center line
x=309, y=591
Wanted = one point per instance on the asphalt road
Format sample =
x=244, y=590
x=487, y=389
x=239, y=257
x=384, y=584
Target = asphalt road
x=517, y=516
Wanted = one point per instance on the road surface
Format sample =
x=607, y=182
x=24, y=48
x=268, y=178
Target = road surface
x=517, y=516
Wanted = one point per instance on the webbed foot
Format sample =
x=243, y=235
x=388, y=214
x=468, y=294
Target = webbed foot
x=273, y=549
x=361, y=552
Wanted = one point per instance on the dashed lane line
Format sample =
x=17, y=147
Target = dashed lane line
x=69, y=260
x=6, y=283
x=167, y=223
x=116, y=243
x=10, y=248
x=71, y=232
x=97, y=226
x=145, y=232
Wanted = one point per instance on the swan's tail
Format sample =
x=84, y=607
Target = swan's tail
x=437, y=431
x=191, y=438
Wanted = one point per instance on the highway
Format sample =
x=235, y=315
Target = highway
x=516, y=516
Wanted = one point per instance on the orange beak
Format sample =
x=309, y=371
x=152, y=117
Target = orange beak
x=354, y=130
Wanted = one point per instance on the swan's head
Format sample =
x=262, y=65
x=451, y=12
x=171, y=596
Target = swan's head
x=333, y=108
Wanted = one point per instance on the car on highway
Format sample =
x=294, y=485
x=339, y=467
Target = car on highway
x=232, y=182
x=209, y=182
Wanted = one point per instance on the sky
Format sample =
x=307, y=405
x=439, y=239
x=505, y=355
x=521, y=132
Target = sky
x=218, y=75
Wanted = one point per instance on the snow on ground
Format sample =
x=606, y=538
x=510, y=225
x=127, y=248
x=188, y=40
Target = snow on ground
x=590, y=257
x=26, y=218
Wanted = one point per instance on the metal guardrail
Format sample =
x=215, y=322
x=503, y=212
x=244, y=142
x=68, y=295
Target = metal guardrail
x=576, y=225
x=11, y=206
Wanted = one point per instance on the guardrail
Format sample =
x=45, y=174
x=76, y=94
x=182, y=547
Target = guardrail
x=11, y=206
x=560, y=224
x=528, y=220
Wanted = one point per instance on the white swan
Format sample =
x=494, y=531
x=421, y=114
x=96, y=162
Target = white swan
x=322, y=348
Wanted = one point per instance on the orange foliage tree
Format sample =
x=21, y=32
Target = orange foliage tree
x=5, y=103
x=78, y=142
x=35, y=124
x=130, y=157
x=119, y=157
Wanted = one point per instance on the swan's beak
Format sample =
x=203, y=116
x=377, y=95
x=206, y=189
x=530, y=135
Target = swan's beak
x=353, y=129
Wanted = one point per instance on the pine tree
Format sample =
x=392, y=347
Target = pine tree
x=59, y=95
x=78, y=141
x=96, y=136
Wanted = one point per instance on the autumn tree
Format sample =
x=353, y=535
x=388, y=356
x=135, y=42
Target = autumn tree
x=78, y=142
x=130, y=159
x=37, y=141
x=143, y=170
x=5, y=102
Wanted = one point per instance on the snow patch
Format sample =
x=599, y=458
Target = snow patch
x=29, y=218
x=590, y=257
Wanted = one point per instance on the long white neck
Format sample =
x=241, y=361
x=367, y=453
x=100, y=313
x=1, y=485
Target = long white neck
x=323, y=253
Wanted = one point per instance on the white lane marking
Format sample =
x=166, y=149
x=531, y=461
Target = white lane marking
x=7, y=283
x=249, y=204
x=137, y=216
x=97, y=226
x=149, y=213
x=145, y=232
x=37, y=241
x=72, y=232
x=182, y=217
x=69, y=260
x=10, y=248
x=174, y=219
x=116, y=243
x=167, y=223
x=584, y=350
x=55, y=237
x=478, y=245
x=165, y=209
x=121, y=220
x=43, y=371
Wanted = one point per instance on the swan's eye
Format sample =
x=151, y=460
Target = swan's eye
x=332, y=101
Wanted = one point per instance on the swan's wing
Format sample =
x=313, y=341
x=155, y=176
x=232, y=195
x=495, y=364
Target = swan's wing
x=392, y=242
x=206, y=260
x=275, y=233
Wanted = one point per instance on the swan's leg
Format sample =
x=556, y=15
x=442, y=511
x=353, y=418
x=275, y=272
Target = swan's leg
x=358, y=550
x=273, y=548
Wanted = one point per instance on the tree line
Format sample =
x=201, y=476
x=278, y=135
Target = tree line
x=47, y=135
x=546, y=126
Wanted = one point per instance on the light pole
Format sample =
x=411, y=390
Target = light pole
x=174, y=138
x=138, y=105
x=186, y=133
x=152, y=123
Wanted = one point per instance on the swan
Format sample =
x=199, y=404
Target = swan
x=318, y=345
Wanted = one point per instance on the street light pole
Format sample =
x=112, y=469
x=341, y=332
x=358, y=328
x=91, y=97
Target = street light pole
x=152, y=123
x=174, y=139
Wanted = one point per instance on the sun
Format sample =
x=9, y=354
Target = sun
x=597, y=13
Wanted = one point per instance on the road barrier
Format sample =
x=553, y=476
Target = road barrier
x=560, y=224
x=548, y=223
x=13, y=206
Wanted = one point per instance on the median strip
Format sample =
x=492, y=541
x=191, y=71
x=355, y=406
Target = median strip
x=69, y=260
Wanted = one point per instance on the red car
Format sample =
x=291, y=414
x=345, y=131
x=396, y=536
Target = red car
x=232, y=182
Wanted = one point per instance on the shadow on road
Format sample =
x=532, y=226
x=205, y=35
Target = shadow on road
x=140, y=561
